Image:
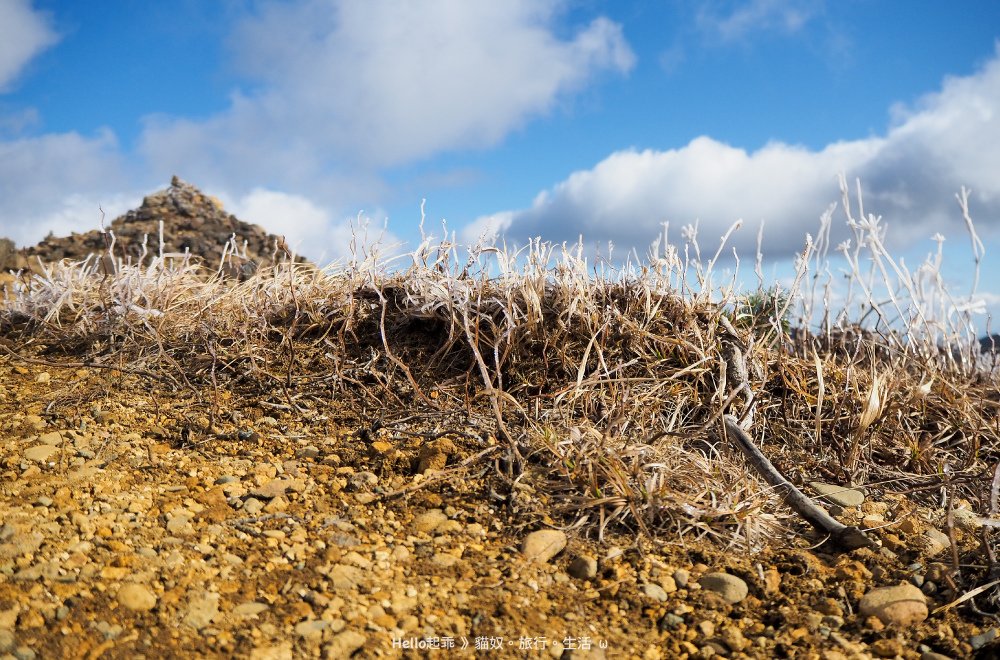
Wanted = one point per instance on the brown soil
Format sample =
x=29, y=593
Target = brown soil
x=351, y=551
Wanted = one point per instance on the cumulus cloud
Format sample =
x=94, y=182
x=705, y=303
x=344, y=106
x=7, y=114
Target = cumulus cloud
x=334, y=94
x=910, y=175
x=339, y=92
x=59, y=182
x=308, y=228
x=25, y=33
x=340, y=85
x=56, y=182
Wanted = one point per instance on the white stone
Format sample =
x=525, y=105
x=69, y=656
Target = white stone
x=136, y=597
x=904, y=605
x=840, y=495
x=39, y=453
x=543, y=545
x=731, y=588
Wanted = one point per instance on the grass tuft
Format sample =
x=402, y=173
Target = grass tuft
x=604, y=387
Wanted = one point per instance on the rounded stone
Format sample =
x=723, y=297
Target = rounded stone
x=252, y=506
x=311, y=629
x=543, y=545
x=731, y=588
x=903, y=605
x=846, y=497
x=428, y=521
x=136, y=597
x=344, y=644
x=583, y=568
x=249, y=609
x=654, y=592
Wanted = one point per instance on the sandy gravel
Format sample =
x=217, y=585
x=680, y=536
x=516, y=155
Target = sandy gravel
x=126, y=533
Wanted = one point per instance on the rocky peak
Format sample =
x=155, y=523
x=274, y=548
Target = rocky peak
x=192, y=222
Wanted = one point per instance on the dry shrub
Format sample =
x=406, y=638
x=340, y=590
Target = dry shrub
x=605, y=386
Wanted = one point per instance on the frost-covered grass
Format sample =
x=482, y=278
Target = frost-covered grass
x=605, y=385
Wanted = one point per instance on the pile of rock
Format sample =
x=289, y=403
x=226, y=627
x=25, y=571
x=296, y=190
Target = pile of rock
x=192, y=222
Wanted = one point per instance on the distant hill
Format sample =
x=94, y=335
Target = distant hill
x=192, y=221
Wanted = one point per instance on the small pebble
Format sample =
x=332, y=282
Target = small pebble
x=931, y=655
x=845, y=497
x=982, y=639
x=903, y=605
x=345, y=644
x=670, y=621
x=361, y=482
x=307, y=452
x=311, y=629
x=935, y=542
x=833, y=622
x=252, y=506
x=40, y=453
x=428, y=521
x=731, y=588
x=543, y=545
x=136, y=597
x=249, y=609
x=583, y=567
x=655, y=592
x=7, y=640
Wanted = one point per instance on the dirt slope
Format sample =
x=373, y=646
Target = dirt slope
x=128, y=531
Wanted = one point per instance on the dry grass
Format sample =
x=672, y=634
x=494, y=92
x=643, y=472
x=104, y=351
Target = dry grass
x=605, y=387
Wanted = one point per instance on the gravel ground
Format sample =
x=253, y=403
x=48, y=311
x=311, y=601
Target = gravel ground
x=125, y=534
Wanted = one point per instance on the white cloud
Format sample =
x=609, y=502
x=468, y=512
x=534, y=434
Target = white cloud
x=54, y=182
x=308, y=228
x=79, y=212
x=336, y=93
x=24, y=33
x=910, y=176
x=58, y=182
x=17, y=121
x=787, y=16
x=340, y=91
x=342, y=85
x=672, y=58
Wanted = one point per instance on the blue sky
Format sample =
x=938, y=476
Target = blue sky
x=526, y=117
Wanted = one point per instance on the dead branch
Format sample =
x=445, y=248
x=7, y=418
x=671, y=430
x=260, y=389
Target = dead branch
x=847, y=537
